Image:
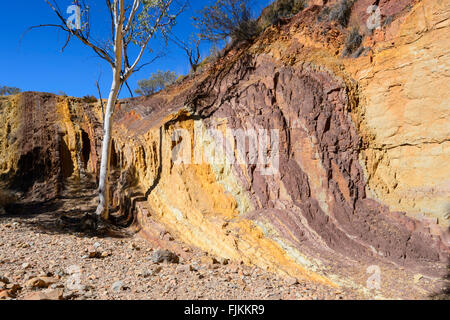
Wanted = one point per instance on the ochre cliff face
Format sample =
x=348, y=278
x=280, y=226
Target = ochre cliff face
x=405, y=109
x=44, y=140
x=363, y=164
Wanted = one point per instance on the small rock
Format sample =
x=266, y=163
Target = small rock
x=67, y=295
x=165, y=256
x=4, y=279
x=185, y=268
x=93, y=253
x=417, y=278
x=4, y=294
x=13, y=288
x=40, y=282
x=46, y=274
x=117, y=286
x=152, y=272
x=208, y=260
x=25, y=265
x=140, y=273
x=291, y=281
x=49, y=294
x=96, y=245
x=156, y=270
x=168, y=237
x=56, y=286
x=105, y=254
x=134, y=246
x=195, y=267
x=59, y=273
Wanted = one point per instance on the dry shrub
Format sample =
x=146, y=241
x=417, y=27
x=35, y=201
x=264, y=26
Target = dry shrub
x=281, y=9
x=339, y=12
x=89, y=99
x=353, y=41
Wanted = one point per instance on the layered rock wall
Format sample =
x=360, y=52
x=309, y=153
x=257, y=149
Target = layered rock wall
x=359, y=170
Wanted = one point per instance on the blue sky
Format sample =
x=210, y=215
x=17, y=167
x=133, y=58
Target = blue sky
x=37, y=64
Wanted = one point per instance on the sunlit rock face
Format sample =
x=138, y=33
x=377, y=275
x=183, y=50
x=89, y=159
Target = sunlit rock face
x=405, y=107
x=356, y=161
x=44, y=140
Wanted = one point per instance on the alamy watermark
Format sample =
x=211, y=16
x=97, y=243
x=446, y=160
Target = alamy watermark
x=374, y=280
x=374, y=20
x=260, y=147
x=74, y=281
x=74, y=21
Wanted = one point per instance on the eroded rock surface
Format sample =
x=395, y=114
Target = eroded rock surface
x=362, y=174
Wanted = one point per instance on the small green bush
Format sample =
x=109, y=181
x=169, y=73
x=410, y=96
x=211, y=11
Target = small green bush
x=157, y=82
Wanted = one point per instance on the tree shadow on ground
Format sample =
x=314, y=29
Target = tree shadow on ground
x=63, y=215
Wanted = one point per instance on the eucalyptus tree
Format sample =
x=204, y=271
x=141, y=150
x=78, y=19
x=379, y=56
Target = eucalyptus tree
x=133, y=23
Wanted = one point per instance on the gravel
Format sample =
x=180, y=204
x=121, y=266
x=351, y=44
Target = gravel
x=39, y=260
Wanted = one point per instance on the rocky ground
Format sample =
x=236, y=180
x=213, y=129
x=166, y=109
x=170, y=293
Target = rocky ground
x=38, y=263
x=45, y=257
x=42, y=257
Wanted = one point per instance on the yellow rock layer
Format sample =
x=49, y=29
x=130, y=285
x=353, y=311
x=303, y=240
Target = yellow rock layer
x=203, y=204
x=404, y=113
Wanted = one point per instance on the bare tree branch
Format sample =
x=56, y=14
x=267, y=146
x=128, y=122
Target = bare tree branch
x=157, y=25
x=192, y=50
x=136, y=4
x=100, y=52
x=100, y=94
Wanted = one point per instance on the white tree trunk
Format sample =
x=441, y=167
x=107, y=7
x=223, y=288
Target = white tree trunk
x=103, y=205
x=103, y=188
